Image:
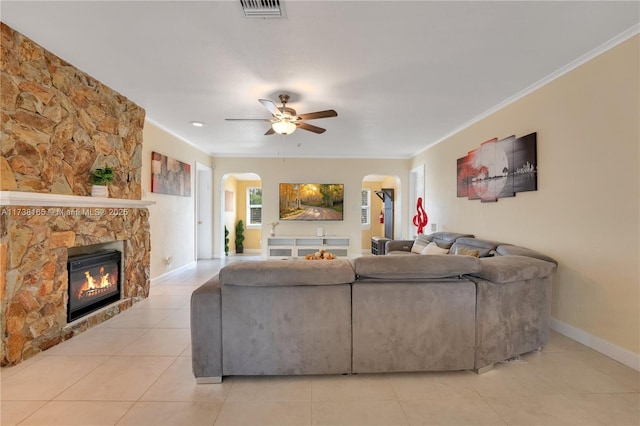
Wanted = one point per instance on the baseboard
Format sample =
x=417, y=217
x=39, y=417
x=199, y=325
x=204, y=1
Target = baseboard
x=251, y=251
x=161, y=278
x=622, y=355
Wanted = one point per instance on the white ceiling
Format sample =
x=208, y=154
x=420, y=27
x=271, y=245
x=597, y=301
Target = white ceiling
x=401, y=75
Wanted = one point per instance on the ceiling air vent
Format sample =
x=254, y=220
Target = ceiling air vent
x=262, y=8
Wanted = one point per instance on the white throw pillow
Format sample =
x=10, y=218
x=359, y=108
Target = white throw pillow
x=432, y=248
x=418, y=246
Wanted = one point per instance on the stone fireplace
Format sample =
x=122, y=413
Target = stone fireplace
x=58, y=124
x=40, y=232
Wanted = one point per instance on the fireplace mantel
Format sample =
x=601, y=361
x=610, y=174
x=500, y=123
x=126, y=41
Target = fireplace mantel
x=18, y=198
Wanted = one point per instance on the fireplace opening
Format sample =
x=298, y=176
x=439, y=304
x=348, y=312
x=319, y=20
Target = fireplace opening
x=94, y=282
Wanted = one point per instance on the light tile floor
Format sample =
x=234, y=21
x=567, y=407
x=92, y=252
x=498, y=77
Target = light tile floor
x=135, y=369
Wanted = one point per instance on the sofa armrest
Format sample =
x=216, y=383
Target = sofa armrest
x=398, y=245
x=507, y=269
x=206, y=332
x=508, y=250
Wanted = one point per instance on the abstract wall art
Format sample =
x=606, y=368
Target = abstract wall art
x=498, y=169
x=170, y=176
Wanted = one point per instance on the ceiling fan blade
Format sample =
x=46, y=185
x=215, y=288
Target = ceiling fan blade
x=247, y=119
x=273, y=109
x=310, y=127
x=319, y=114
x=270, y=131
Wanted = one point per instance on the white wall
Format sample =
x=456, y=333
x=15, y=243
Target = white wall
x=274, y=171
x=585, y=212
x=172, y=218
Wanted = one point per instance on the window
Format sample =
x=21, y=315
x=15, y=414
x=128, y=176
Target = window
x=254, y=206
x=365, y=211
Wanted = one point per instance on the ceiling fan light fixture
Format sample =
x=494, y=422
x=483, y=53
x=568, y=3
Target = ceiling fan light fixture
x=283, y=127
x=285, y=120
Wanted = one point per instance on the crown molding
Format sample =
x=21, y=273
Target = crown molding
x=620, y=38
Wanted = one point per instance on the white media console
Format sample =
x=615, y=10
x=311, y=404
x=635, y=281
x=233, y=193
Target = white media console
x=279, y=247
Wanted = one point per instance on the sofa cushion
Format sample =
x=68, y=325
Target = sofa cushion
x=462, y=251
x=508, y=249
x=507, y=269
x=419, y=244
x=432, y=248
x=414, y=267
x=287, y=273
x=484, y=247
x=446, y=239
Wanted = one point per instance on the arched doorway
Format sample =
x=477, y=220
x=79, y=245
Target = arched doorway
x=381, y=209
x=241, y=201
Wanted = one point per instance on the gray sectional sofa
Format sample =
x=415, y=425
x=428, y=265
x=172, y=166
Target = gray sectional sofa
x=373, y=313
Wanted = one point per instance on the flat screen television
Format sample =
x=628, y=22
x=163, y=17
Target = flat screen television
x=311, y=201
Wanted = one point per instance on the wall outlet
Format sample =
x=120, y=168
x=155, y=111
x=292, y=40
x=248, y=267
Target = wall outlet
x=434, y=227
x=168, y=260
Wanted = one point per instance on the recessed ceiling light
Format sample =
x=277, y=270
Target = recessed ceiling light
x=197, y=123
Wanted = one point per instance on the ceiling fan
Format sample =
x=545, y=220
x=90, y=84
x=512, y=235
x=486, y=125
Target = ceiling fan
x=285, y=120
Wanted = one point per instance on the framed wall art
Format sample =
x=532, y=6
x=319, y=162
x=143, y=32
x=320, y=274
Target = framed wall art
x=170, y=176
x=498, y=169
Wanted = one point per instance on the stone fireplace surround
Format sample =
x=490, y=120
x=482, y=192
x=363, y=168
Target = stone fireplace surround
x=37, y=231
x=58, y=124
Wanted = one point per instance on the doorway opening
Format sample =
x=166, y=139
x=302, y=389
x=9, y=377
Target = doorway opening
x=381, y=216
x=241, y=214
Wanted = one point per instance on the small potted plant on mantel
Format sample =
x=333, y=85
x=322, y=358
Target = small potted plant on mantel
x=100, y=178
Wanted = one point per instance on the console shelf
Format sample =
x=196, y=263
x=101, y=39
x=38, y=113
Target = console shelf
x=300, y=246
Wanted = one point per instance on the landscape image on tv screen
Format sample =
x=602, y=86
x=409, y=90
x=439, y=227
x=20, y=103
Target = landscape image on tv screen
x=311, y=201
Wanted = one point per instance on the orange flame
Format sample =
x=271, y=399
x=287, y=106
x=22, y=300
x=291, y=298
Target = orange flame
x=91, y=284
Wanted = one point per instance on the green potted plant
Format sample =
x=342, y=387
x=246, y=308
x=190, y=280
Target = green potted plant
x=239, y=237
x=226, y=241
x=100, y=178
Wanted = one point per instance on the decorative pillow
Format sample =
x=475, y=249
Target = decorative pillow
x=432, y=248
x=467, y=252
x=418, y=246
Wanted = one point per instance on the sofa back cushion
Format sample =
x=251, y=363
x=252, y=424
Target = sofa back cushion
x=288, y=273
x=484, y=247
x=414, y=267
x=446, y=239
x=462, y=251
x=433, y=248
x=509, y=250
